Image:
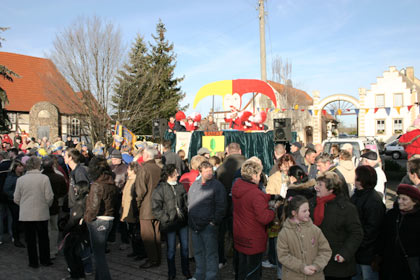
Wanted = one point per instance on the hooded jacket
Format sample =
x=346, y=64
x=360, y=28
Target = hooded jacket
x=306, y=189
x=347, y=169
x=250, y=217
x=299, y=245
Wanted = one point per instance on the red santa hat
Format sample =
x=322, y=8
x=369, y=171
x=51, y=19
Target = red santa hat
x=196, y=117
x=180, y=116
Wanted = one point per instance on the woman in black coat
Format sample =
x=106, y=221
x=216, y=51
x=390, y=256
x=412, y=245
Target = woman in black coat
x=371, y=214
x=401, y=236
x=169, y=206
x=339, y=221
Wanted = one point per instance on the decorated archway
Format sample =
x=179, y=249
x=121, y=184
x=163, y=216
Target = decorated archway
x=336, y=104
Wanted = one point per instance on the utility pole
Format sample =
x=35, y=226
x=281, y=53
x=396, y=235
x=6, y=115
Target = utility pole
x=262, y=41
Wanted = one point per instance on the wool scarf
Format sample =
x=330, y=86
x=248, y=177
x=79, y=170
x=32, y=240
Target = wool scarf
x=320, y=207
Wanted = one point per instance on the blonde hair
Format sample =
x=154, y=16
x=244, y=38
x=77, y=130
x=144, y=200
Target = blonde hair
x=250, y=167
x=196, y=161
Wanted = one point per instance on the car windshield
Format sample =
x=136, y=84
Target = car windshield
x=356, y=149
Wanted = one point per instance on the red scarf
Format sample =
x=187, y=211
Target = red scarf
x=320, y=207
x=171, y=125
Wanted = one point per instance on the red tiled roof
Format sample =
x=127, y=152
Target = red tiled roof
x=39, y=81
x=302, y=98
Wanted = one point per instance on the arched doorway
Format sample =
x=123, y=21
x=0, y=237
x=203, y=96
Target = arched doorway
x=330, y=109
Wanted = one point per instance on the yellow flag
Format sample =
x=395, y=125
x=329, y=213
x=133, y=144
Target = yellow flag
x=316, y=112
x=398, y=109
x=339, y=112
x=366, y=110
x=296, y=107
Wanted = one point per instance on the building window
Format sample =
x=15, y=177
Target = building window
x=75, y=127
x=398, y=126
x=380, y=100
x=380, y=126
x=398, y=100
x=12, y=119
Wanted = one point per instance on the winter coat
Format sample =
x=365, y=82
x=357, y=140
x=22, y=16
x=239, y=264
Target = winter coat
x=77, y=175
x=165, y=200
x=276, y=183
x=120, y=172
x=170, y=157
x=310, y=169
x=250, y=217
x=101, y=199
x=147, y=180
x=299, y=245
x=10, y=185
x=341, y=226
x=206, y=204
x=306, y=189
x=5, y=166
x=347, y=169
x=226, y=171
x=127, y=214
x=59, y=187
x=187, y=179
x=298, y=158
x=394, y=264
x=34, y=195
x=77, y=212
x=371, y=214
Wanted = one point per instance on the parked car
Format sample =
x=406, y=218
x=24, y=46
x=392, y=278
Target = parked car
x=395, y=150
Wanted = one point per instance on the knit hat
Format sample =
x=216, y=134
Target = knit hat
x=116, y=154
x=347, y=146
x=370, y=155
x=297, y=144
x=202, y=151
x=409, y=190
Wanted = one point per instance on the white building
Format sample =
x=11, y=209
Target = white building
x=391, y=105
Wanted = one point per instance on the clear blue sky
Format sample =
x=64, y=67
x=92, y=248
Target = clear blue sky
x=335, y=46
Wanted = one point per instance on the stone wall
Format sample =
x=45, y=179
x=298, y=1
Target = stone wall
x=44, y=120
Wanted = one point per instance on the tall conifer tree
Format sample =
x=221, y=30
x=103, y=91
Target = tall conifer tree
x=147, y=88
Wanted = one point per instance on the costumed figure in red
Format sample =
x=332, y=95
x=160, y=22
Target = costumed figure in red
x=411, y=139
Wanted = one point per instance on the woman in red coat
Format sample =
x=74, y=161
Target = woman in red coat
x=251, y=215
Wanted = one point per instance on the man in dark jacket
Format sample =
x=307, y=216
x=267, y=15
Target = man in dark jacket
x=295, y=151
x=206, y=209
x=59, y=188
x=309, y=163
x=325, y=162
x=147, y=180
x=78, y=172
x=371, y=214
x=119, y=170
x=225, y=173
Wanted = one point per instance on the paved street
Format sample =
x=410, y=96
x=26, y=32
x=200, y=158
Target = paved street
x=13, y=265
x=13, y=262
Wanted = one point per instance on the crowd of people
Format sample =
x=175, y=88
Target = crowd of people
x=315, y=215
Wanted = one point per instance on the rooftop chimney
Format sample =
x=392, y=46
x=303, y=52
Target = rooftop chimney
x=410, y=73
